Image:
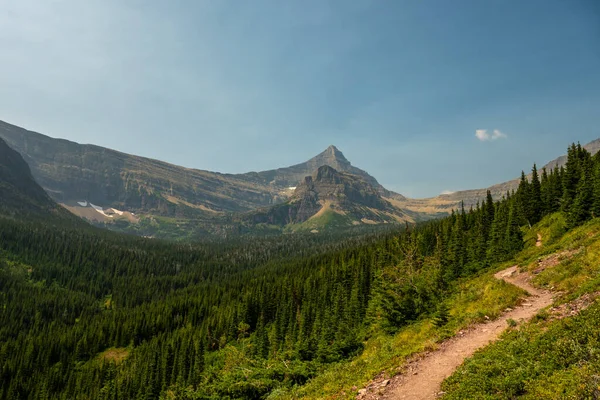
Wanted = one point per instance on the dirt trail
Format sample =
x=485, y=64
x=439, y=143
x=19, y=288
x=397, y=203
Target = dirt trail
x=422, y=378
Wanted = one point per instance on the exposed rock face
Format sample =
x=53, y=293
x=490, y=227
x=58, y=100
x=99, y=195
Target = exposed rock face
x=345, y=194
x=72, y=172
x=344, y=188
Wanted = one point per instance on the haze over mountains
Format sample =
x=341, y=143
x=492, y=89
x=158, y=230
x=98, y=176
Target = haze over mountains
x=147, y=196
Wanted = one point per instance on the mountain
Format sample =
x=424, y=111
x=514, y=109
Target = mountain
x=331, y=197
x=108, y=186
x=332, y=156
x=147, y=196
x=72, y=172
x=20, y=195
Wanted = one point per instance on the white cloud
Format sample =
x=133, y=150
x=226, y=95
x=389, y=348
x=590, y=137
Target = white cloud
x=498, y=135
x=484, y=135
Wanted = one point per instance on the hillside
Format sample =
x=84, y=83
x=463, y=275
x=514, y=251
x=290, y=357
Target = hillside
x=555, y=354
x=20, y=196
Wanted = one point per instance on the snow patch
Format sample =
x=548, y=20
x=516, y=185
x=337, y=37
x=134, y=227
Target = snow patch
x=292, y=188
x=82, y=203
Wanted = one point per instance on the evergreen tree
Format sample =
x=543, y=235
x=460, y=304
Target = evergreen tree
x=496, y=246
x=596, y=182
x=570, y=179
x=581, y=209
x=514, y=236
x=523, y=199
x=535, y=197
x=441, y=315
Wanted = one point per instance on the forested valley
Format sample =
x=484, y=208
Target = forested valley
x=88, y=314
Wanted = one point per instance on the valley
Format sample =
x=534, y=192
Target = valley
x=100, y=314
x=151, y=198
x=322, y=200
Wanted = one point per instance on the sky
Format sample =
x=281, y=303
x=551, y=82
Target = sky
x=425, y=95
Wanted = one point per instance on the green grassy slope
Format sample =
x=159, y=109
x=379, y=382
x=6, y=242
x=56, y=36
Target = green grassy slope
x=547, y=358
x=557, y=354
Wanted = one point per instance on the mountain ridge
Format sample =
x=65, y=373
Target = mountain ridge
x=74, y=174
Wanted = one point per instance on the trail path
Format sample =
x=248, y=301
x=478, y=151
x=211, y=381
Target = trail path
x=422, y=378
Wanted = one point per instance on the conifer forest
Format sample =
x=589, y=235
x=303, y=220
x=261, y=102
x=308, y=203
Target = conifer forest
x=91, y=314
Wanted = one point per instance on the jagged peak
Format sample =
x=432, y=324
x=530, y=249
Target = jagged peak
x=333, y=153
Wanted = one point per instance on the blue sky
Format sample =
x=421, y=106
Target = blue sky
x=401, y=87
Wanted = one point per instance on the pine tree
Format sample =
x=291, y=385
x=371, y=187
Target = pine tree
x=535, y=197
x=514, y=236
x=488, y=214
x=596, y=183
x=523, y=199
x=556, y=189
x=496, y=249
x=442, y=314
x=571, y=176
x=581, y=209
x=457, y=251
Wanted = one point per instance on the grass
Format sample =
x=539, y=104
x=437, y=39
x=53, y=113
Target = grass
x=473, y=300
x=328, y=220
x=547, y=358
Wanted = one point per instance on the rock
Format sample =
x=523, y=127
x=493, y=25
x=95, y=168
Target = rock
x=362, y=392
x=385, y=383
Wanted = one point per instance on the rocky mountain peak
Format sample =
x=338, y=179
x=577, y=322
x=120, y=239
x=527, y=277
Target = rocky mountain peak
x=333, y=157
x=327, y=174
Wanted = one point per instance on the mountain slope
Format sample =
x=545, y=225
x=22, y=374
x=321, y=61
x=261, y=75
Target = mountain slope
x=20, y=195
x=72, y=173
x=332, y=197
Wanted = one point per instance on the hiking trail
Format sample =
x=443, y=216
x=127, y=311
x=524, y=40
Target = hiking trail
x=423, y=376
